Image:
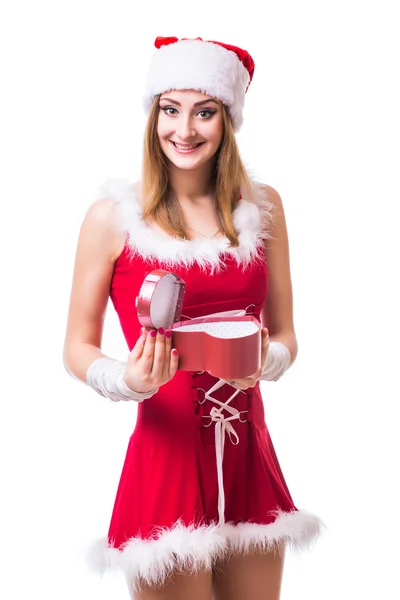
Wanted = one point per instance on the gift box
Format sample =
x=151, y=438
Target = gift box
x=226, y=344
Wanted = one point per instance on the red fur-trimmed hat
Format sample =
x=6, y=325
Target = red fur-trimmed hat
x=219, y=70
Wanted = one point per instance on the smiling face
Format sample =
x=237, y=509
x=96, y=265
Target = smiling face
x=190, y=128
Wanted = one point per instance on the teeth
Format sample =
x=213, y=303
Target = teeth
x=185, y=147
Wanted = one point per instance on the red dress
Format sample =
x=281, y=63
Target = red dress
x=181, y=501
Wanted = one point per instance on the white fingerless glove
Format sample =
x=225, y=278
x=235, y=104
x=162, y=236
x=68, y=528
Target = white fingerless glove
x=105, y=376
x=278, y=361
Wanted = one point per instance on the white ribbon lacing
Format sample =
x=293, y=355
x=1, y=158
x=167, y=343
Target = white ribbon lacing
x=222, y=423
x=223, y=426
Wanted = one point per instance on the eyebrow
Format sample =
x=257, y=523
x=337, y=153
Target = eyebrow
x=195, y=104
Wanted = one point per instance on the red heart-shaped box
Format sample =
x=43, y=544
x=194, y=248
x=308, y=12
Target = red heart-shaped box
x=226, y=345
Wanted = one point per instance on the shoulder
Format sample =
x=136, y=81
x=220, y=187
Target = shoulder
x=271, y=213
x=122, y=199
x=264, y=196
x=100, y=212
x=103, y=221
x=275, y=224
x=269, y=204
x=269, y=201
x=119, y=193
x=272, y=195
x=267, y=197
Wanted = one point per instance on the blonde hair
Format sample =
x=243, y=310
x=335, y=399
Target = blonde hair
x=229, y=175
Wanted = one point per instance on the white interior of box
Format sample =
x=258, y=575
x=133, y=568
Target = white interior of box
x=163, y=306
x=223, y=329
x=163, y=302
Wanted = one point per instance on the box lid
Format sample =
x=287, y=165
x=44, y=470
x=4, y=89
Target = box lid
x=160, y=299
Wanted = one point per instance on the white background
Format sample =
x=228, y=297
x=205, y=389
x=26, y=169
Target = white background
x=322, y=127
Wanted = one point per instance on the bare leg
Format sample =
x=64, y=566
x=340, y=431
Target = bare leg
x=181, y=586
x=256, y=575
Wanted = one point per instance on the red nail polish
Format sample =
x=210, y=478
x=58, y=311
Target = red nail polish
x=174, y=352
x=153, y=332
x=161, y=330
x=168, y=333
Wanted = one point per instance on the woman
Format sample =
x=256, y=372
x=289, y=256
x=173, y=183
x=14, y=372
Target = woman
x=194, y=517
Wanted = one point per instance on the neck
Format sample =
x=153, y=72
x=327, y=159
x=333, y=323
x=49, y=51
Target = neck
x=191, y=186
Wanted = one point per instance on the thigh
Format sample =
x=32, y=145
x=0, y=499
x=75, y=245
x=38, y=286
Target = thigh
x=179, y=586
x=257, y=575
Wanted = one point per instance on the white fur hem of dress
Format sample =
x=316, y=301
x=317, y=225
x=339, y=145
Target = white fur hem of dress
x=195, y=548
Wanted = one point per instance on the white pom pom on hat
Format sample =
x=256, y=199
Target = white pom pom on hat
x=216, y=69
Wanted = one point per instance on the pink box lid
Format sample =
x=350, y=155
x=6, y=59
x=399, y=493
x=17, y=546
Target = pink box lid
x=160, y=299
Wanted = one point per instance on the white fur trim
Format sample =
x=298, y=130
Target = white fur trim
x=249, y=218
x=299, y=529
x=194, y=548
x=199, y=65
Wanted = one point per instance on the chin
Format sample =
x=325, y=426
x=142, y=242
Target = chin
x=186, y=165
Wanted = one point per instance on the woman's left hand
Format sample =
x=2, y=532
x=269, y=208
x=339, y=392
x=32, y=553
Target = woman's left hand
x=250, y=382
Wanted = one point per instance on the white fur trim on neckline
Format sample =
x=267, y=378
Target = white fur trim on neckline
x=249, y=218
x=194, y=548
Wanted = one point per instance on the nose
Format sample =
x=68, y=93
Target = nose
x=185, y=128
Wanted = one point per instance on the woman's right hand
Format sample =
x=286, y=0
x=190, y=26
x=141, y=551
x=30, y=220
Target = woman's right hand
x=151, y=362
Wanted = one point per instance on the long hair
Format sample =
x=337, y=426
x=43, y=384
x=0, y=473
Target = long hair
x=229, y=175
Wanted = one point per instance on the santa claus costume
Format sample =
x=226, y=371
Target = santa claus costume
x=201, y=477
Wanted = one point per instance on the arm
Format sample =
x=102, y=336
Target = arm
x=277, y=313
x=279, y=344
x=151, y=362
x=98, y=247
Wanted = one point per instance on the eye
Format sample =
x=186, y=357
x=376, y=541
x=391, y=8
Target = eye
x=206, y=114
x=166, y=109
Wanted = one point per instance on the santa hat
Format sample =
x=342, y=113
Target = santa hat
x=216, y=69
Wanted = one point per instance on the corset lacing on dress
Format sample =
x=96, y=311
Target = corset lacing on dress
x=223, y=422
x=223, y=426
